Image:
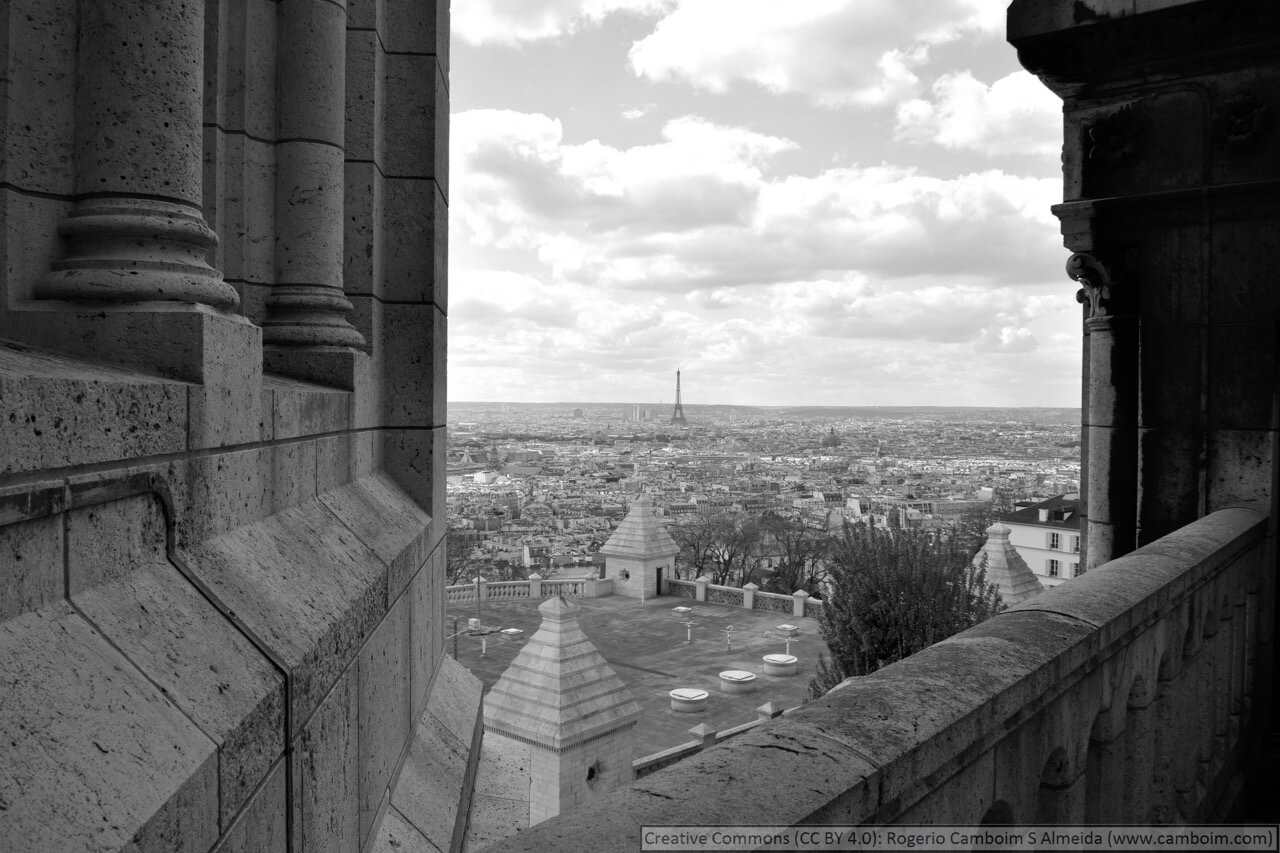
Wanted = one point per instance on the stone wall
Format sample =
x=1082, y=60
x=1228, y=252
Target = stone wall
x=222, y=354
x=1130, y=695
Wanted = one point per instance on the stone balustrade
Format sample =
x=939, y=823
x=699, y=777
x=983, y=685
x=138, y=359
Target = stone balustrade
x=533, y=587
x=1122, y=697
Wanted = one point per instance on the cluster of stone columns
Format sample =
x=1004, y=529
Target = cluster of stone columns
x=137, y=232
x=137, y=237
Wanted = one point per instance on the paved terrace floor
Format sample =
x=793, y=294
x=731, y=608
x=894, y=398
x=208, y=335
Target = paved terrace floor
x=645, y=644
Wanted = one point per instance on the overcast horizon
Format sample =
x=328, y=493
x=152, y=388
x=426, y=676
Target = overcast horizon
x=846, y=205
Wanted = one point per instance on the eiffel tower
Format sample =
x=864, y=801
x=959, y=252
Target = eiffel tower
x=677, y=417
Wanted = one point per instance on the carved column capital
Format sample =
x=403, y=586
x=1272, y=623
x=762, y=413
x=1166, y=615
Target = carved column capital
x=1095, y=283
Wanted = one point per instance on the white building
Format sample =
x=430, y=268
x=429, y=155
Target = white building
x=1047, y=536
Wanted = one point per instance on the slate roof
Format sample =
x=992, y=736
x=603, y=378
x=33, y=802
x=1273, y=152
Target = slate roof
x=1064, y=514
x=641, y=535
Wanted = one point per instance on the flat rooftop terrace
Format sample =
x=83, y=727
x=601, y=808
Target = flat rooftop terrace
x=646, y=645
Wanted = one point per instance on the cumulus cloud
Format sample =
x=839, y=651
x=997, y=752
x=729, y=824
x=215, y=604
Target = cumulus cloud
x=512, y=22
x=1014, y=115
x=835, y=52
x=702, y=209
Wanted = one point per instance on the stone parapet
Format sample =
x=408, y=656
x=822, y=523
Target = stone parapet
x=1010, y=721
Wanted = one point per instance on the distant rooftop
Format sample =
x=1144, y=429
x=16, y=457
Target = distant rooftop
x=1061, y=512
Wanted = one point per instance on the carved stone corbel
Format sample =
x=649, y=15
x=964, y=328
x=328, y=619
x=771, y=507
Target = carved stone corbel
x=1095, y=283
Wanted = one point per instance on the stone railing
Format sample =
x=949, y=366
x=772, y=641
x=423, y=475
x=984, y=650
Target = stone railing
x=775, y=602
x=1125, y=696
x=506, y=589
x=681, y=588
x=533, y=587
x=749, y=596
x=730, y=595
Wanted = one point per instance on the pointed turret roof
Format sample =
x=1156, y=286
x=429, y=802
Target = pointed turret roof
x=1006, y=568
x=559, y=691
x=641, y=535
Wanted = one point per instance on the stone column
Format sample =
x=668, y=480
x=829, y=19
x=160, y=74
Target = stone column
x=137, y=233
x=1110, y=421
x=307, y=309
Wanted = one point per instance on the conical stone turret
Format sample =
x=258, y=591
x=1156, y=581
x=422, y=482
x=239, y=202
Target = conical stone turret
x=566, y=704
x=639, y=552
x=1006, y=568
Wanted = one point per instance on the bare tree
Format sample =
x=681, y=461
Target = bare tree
x=801, y=548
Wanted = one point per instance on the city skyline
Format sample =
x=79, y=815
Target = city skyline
x=850, y=207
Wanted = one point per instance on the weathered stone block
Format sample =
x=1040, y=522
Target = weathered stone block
x=397, y=835
x=1244, y=249
x=335, y=461
x=366, y=400
x=260, y=109
x=108, y=541
x=414, y=338
x=384, y=708
x=365, y=14
x=1240, y=395
x=416, y=27
x=307, y=586
x=28, y=244
x=224, y=408
x=203, y=664
x=1171, y=397
x=328, y=770
x=365, y=232
x=414, y=224
x=40, y=125
x=409, y=456
x=58, y=412
x=416, y=112
x=365, y=97
x=430, y=785
x=368, y=453
x=311, y=70
x=427, y=625
x=301, y=409
x=388, y=522
x=1240, y=467
x=220, y=492
x=293, y=474
x=261, y=827
x=32, y=555
x=104, y=758
x=257, y=242
x=1168, y=459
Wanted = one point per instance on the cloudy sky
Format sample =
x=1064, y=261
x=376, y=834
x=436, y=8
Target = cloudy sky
x=845, y=204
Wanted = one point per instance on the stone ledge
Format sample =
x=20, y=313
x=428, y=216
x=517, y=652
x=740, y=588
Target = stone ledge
x=59, y=412
x=432, y=797
x=306, y=582
x=877, y=747
x=103, y=757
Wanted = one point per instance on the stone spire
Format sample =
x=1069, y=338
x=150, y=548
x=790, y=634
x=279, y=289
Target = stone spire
x=566, y=704
x=1006, y=568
